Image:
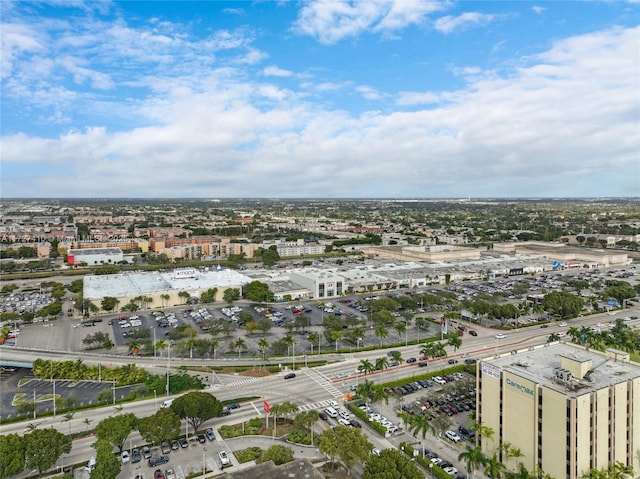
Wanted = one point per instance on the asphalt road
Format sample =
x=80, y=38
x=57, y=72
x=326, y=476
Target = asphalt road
x=311, y=389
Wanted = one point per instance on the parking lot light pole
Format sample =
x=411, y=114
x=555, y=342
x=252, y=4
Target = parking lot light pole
x=204, y=464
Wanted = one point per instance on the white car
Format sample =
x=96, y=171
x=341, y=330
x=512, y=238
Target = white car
x=125, y=457
x=452, y=471
x=224, y=459
x=344, y=422
x=344, y=415
x=562, y=324
x=500, y=336
x=452, y=435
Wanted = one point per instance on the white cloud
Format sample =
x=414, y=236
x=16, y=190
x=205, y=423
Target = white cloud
x=465, y=20
x=559, y=124
x=331, y=21
x=369, y=93
x=274, y=71
x=538, y=9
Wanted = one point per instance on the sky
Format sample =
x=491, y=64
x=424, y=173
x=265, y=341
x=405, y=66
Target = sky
x=319, y=99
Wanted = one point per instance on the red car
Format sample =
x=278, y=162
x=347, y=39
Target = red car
x=158, y=474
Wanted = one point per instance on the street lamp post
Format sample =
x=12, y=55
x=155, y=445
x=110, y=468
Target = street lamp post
x=155, y=400
x=204, y=464
x=113, y=390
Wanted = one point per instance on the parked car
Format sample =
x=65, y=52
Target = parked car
x=201, y=438
x=157, y=461
x=158, y=474
x=183, y=442
x=135, y=455
x=224, y=458
x=210, y=434
x=146, y=452
x=175, y=445
x=165, y=448
x=125, y=457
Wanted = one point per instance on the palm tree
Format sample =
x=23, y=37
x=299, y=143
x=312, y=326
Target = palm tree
x=67, y=418
x=379, y=394
x=184, y=296
x=356, y=334
x=263, y=344
x=160, y=345
x=87, y=421
x=480, y=429
x=335, y=335
x=441, y=423
x=307, y=419
x=289, y=341
x=381, y=363
x=366, y=367
x=473, y=457
x=420, y=425
x=214, y=344
x=454, y=341
x=522, y=473
x=165, y=298
x=365, y=390
x=189, y=343
x=619, y=471
x=400, y=327
x=239, y=344
x=381, y=332
x=314, y=338
x=493, y=467
x=396, y=356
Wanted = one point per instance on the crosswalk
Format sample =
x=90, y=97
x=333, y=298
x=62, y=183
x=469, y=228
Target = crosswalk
x=315, y=405
x=242, y=382
x=323, y=381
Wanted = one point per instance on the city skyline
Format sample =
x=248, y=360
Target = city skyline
x=385, y=99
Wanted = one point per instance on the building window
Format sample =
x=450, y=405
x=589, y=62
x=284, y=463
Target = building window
x=321, y=290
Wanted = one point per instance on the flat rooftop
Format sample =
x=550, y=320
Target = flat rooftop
x=140, y=284
x=539, y=365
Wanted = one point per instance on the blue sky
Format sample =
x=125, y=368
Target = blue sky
x=388, y=98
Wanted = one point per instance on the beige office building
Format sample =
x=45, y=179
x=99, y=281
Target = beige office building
x=567, y=409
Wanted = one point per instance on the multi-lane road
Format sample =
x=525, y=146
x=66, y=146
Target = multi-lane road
x=312, y=388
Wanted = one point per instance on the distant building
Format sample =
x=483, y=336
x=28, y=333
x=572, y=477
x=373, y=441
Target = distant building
x=567, y=409
x=95, y=256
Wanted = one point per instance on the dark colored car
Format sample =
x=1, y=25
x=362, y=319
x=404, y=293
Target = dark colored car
x=472, y=332
x=135, y=455
x=146, y=452
x=470, y=361
x=157, y=461
x=234, y=405
x=423, y=364
x=411, y=360
x=183, y=442
x=290, y=376
x=355, y=423
x=175, y=445
x=201, y=438
x=452, y=361
x=322, y=415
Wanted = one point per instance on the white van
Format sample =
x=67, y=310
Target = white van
x=166, y=403
x=331, y=412
x=91, y=465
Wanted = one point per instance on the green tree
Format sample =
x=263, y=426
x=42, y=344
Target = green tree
x=493, y=467
x=162, y=426
x=230, y=295
x=12, y=455
x=307, y=419
x=278, y=453
x=108, y=303
x=116, y=429
x=390, y=464
x=454, y=340
x=107, y=465
x=565, y=305
x=196, y=408
x=381, y=363
x=43, y=447
x=381, y=332
x=473, y=457
x=366, y=367
x=345, y=443
x=396, y=356
x=419, y=424
x=239, y=345
x=270, y=256
x=209, y=296
x=258, y=291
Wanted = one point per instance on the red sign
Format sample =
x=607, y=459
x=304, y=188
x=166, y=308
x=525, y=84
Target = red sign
x=267, y=407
